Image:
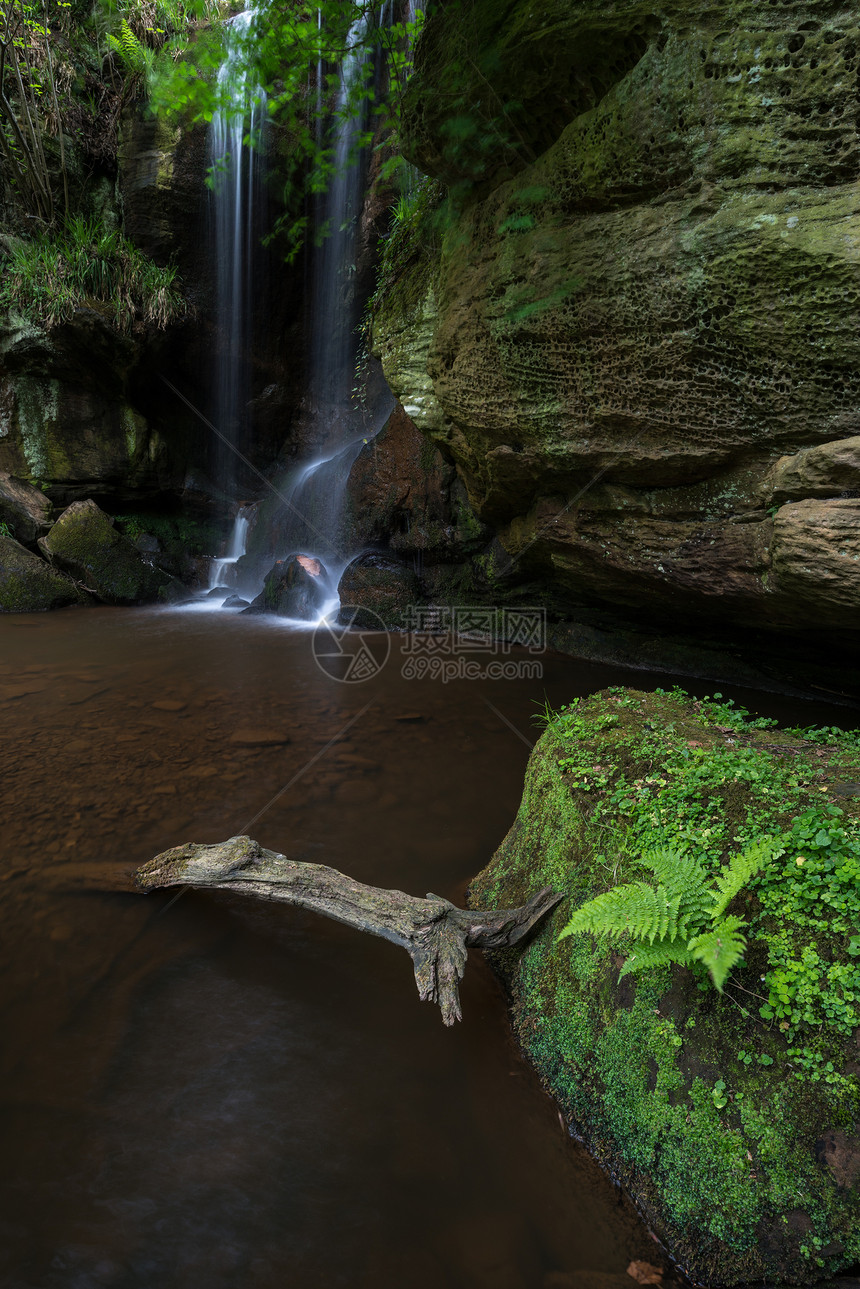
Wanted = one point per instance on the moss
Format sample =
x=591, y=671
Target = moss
x=705, y=1110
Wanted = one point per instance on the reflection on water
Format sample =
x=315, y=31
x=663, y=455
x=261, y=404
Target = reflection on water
x=233, y=1094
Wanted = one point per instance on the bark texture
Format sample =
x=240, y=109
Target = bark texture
x=435, y=933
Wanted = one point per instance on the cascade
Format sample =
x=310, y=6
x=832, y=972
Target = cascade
x=314, y=496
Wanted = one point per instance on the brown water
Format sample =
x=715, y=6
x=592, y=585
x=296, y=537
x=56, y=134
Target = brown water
x=229, y=1095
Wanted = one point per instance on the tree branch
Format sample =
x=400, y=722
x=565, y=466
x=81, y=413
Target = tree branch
x=434, y=932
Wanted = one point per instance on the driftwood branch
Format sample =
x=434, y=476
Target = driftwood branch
x=434, y=932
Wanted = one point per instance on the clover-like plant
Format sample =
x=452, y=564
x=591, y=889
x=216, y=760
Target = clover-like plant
x=681, y=919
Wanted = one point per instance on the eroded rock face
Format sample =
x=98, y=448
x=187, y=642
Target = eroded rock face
x=650, y=289
x=85, y=543
x=29, y=585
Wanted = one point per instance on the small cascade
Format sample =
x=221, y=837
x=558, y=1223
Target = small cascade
x=239, y=170
x=223, y=570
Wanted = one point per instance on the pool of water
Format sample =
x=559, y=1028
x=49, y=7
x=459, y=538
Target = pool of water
x=226, y=1094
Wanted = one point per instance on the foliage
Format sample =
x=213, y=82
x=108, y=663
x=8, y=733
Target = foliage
x=28, y=104
x=316, y=70
x=48, y=278
x=681, y=920
x=675, y=788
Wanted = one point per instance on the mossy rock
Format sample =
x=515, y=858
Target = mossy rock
x=85, y=543
x=732, y=1118
x=29, y=585
x=297, y=587
x=378, y=587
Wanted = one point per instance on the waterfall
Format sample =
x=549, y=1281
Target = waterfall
x=223, y=570
x=334, y=308
x=310, y=522
x=238, y=169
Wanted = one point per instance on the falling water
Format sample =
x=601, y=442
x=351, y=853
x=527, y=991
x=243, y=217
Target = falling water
x=335, y=305
x=223, y=570
x=238, y=168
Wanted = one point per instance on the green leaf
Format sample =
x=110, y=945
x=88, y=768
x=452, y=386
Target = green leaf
x=720, y=949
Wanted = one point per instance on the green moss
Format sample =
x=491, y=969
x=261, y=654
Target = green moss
x=706, y=1109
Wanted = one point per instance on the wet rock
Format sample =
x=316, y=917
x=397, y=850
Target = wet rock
x=29, y=585
x=297, y=587
x=217, y=591
x=379, y=588
x=839, y=1152
x=234, y=602
x=85, y=543
x=24, y=509
x=258, y=737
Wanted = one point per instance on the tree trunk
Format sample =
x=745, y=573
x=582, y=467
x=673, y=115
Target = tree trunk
x=435, y=933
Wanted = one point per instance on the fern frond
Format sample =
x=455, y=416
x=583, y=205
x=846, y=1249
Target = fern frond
x=734, y=875
x=129, y=48
x=631, y=909
x=656, y=955
x=720, y=949
x=681, y=874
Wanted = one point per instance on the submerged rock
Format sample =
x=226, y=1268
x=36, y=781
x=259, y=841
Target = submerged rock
x=29, y=585
x=297, y=587
x=383, y=588
x=730, y=1117
x=85, y=543
x=24, y=509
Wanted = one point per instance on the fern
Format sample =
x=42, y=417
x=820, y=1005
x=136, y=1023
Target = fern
x=734, y=876
x=720, y=949
x=681, y=919
x=657, y=955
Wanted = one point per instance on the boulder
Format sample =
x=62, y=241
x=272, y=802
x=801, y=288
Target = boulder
x=85, y=543
x=729, y=1117
x=24, y=509
x=297, y=587
x=379, y=587
x=29, y=585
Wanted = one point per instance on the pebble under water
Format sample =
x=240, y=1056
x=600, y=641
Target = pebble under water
x=229, y=1095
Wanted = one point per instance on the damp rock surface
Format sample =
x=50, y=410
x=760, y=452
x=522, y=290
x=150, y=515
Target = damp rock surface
x=29, y=585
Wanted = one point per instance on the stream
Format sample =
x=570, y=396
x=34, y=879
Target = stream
x=226, y=1094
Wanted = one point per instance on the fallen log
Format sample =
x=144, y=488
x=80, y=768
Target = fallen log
x=434, y=932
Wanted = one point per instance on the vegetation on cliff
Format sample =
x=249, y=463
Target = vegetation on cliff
x=730, y=1116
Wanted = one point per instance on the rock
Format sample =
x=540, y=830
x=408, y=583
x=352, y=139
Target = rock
x=823, y=471
x=657, y=1077
x=623, y=303
x=816, y=560
x=234, y=602
x=29, y=585
x=217, y=591
x=169, y=705
x=254, y=737
x=24, y=509
x=380, y=588
x=85, y=543
x=297, y=587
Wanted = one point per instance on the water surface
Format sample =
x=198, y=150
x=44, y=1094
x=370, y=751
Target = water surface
x=230, y=1095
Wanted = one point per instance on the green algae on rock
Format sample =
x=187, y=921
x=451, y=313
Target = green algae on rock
x=734, y=1119
x=29, y=585
x=85, y=543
